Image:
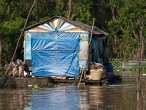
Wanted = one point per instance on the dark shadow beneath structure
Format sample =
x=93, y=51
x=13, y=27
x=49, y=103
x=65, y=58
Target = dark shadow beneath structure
x=8, y=82
x=108, y=81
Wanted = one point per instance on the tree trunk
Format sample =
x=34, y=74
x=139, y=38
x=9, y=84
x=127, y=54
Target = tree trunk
x=0, y=54
x=140, y=92
x=70, y=9
x=113, y=13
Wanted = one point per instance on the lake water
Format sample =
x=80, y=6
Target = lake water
x=70, y=97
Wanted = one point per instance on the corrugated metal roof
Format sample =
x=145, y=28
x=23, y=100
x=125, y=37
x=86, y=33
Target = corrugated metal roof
x=81, y=25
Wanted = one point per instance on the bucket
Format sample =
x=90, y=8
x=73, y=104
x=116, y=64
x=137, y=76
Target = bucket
x=96, y=74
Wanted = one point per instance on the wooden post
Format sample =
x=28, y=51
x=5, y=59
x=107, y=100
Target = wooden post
x=82, y=73
x=7, y=70
x=0, y=54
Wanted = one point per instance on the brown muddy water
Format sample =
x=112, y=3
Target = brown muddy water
x=107, y=97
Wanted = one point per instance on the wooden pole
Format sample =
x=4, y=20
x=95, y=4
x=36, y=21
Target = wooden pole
x=139, y=91
x=20, y=36
x=82, y=73
x=90, y=40
x=7, y=70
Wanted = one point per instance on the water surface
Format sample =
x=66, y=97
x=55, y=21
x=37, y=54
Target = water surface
x=70, y=97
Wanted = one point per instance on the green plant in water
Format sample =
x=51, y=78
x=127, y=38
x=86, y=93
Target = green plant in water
x=55, y=84
x=51, y=85
x=36, y=87
x=117, y=64
x=143, y=68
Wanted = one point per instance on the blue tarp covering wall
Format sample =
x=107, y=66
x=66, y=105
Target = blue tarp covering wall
x=55, y=54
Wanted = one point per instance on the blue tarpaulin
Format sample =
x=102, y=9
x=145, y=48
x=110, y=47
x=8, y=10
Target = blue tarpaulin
x=55, y=54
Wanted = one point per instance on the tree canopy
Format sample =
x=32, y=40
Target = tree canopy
x=125, y=21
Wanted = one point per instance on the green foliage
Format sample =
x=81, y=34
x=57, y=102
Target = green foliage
x=114, y=27
x=127, y=14
x=60, y=7
x=12, y=27
x=115, y=3
x=10, y=30
x=134, y=68
x=143, y=68
x=127, y=25
x=2, y=7
x=117, y=64
x=36, y=87
x=82, y=11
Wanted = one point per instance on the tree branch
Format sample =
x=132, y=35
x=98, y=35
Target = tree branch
x=21, y=34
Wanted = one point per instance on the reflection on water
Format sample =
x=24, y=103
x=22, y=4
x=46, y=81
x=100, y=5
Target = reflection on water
x=60, y=98
x=111, y=97
x=12, y=99
x=92, y=97
x=96, y=96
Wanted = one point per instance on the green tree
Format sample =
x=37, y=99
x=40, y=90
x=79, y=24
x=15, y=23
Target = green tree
x=4, y=11
x=127, y=27
x=13, y=13
x=82, y=11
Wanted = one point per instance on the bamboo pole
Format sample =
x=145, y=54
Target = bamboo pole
x=91, y=32
x=82, y=73
x=7, y=70
x=20, y=36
